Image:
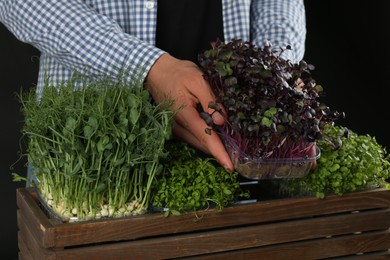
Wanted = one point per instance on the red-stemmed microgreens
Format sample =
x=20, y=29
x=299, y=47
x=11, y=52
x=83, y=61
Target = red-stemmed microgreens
x=272, y=105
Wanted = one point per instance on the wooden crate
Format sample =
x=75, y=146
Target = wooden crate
x=354, y=225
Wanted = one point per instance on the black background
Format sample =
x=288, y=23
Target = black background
x=346, y=41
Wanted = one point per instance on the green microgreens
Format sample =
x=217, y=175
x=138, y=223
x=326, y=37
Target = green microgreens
x=348, y=162
x=96, y=149
x=190, y=182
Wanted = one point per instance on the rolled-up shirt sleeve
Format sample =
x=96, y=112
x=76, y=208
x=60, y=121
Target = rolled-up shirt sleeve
x=78, y=37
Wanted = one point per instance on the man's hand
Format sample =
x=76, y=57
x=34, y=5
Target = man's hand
x=183, y=82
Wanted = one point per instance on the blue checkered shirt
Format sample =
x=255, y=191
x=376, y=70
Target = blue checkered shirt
x=107, y=37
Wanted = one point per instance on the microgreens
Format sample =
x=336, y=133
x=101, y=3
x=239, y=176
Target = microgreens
x=190, y=182
x=96, y=149
x=273, y=108
x=349, y=162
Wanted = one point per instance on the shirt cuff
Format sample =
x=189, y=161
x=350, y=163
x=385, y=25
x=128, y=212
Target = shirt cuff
x=140, y=60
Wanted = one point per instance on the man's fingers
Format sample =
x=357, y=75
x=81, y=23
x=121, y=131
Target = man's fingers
x=189, y=119
x=183, y=82
x=188, y=137
x=218, y=117
x=312, y=154
x=205, y=96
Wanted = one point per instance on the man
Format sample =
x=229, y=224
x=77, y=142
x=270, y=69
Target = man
x=102, y=37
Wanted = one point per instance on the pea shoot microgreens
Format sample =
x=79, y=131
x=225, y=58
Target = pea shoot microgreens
x=96, y=149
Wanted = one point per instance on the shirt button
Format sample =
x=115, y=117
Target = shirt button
x=149, y=4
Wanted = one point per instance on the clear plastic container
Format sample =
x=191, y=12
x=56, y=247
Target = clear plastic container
x=275, y=168
x=48, y=209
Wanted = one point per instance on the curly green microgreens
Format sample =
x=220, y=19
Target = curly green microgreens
x=190, y=182
x=349, y=162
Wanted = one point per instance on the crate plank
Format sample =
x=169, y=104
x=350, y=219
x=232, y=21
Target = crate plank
x=68, y=234
x=239, y=238
x=316, y=249
x=33, y=245
x=289, y=224
x=24, y=251
x=40, y=226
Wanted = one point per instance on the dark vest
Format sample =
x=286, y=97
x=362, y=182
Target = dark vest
x=187, y=27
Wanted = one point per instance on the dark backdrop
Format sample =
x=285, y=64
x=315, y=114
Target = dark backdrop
x=349, y=43
x=346, y=41
x=18, y=69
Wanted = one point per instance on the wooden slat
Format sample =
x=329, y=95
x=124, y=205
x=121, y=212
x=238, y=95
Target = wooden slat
x=198, y=243
x=36, y=251
x=24, y=252
x=129, y=228
x=381, y=255
x=38, y=223
x=24, y=237
x=316, y=249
